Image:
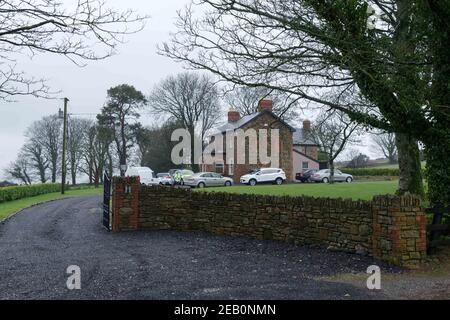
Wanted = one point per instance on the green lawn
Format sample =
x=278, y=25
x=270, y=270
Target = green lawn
x=390, y=166
x=11, y=207
x=356, y=190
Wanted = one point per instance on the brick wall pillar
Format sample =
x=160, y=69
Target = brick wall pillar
x=399, y=230
x=125, y=206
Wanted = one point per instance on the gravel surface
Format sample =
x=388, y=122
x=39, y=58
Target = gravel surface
x=38, y=244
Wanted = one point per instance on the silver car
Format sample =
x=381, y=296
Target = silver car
x=208, y=179
x=324, y=176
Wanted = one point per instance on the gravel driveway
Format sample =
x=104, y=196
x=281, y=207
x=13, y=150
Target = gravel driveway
x=38, y=244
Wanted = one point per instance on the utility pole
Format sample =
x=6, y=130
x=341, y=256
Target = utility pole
x=64, y=169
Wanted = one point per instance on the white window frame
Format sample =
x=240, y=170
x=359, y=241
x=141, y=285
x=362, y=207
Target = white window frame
x=219, y=165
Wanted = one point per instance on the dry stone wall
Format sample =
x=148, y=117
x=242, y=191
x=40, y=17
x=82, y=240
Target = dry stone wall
x=389, y=228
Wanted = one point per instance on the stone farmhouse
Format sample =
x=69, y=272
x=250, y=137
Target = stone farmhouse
x=297, y=150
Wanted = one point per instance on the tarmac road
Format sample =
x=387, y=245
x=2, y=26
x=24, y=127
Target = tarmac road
x=38, y=244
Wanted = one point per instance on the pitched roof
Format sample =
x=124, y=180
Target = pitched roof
x=249, y=118
x=301, y=137
x=306, y=156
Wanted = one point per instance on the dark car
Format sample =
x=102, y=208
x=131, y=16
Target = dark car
x=305, y=176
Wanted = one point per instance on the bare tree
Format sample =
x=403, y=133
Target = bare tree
x=333, y=131
x=245, y=100
x=77, y=137
x=48, y=133
x=97, y=153
x=387, y=144
x=20, y=170
x=191, y=100
x=34, y=151
x=86, y=30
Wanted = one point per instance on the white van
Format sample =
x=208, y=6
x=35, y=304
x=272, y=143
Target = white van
x=146, y=175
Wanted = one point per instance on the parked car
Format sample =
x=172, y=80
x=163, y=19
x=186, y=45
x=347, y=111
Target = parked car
x=165, y=179
x=146, y=175
x=305, y=176
x=208, y=179
x=265, y=175
x=324, y=176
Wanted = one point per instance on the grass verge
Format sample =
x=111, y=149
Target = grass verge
x=9, y=208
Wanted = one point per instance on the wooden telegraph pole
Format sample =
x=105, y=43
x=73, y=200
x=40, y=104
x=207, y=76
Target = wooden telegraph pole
x=64, y=169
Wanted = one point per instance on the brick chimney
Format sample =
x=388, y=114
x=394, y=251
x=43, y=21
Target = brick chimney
x=307, y=125
x=233, y=115
x=265, y=104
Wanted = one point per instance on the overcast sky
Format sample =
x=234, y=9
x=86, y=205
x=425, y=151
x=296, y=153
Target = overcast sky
x=136, y=63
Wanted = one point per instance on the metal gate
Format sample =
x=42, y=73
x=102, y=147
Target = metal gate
x=107, y=201
x=439, y=228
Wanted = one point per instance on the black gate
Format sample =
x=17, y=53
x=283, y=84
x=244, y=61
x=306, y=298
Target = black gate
x=107, y=201
x=439, y=228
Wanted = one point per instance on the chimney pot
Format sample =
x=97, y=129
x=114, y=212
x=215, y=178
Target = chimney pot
x=306, y=125
x=233, y=115
x=265, y=104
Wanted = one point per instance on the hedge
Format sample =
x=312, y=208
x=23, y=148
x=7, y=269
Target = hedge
x=391, y=172
x=20, y=192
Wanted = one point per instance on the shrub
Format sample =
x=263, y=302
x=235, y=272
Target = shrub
x=20, y=192
x=374, y=172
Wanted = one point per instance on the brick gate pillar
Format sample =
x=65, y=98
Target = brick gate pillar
x=399, y=230
x=125, y=195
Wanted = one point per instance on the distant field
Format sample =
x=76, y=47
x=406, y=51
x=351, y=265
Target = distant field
x=356, y=190
x=11, y=207
x=388, y=166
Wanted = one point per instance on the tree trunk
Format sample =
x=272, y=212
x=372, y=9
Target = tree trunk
x=90, y=173
x=97, y=179
x=331, y=163
x=194, y=166
x=410, y=167
x=74, y=177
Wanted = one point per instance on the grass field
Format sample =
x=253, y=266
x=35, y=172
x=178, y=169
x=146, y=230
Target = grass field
x=356, y=190
x=389, y=166
x=11, y=207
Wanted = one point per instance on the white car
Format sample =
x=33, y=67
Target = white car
x=266, y=175
x=146, y=175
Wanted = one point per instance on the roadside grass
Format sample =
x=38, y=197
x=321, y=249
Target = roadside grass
x=355, y=191
x=9, y=208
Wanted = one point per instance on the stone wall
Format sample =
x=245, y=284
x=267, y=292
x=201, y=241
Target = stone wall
x=389, y=228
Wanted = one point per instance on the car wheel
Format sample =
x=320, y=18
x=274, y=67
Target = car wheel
x=349, y=180
x=201, y=185
x=325, y=180
x=279, y=181
x=252, y=182
x=228, y=184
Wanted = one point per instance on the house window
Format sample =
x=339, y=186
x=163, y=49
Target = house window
x=219, y=167
x=305, y=165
